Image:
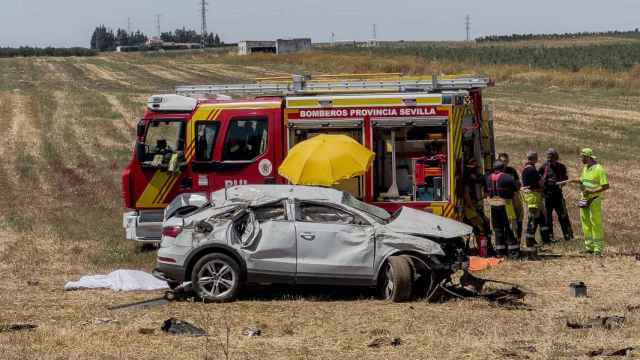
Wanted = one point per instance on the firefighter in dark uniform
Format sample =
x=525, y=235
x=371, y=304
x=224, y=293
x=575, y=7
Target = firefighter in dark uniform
x=472, y=185
x=532, y=186
x=500, y=189
x=554, y=172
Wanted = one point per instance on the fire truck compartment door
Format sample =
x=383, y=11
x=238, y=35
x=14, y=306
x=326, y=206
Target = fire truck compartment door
x=332, y=124
x=402, y=122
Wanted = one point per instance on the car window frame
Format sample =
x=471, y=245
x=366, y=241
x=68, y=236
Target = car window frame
x=297, y=208
x=282, y=202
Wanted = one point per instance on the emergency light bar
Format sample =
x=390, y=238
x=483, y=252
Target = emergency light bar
x=304, y=85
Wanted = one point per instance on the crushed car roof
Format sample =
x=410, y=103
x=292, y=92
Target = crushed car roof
x=261, y=194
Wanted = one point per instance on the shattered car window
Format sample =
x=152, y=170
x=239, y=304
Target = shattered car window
x=379, y=214
x=273, y=211
x=324, y=214
x=243, y=228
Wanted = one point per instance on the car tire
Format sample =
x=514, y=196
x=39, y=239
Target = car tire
x=396, y=279
x=423, y=278
x=216, y=278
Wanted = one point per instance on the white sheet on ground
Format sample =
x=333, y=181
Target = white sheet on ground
x=119, y=280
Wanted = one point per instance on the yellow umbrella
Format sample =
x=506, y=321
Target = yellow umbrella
x=325, y=160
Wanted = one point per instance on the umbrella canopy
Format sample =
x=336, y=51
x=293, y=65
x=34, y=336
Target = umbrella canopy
x=325, y=160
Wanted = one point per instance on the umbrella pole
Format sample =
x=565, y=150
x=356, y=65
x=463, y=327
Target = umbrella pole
x=393, y=189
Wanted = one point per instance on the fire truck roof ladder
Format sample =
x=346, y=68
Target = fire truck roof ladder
x=305, y=85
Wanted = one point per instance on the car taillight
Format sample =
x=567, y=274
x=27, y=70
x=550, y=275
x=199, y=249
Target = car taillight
x=172, y=231
x=166, y=259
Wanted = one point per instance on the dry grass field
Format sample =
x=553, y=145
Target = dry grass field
x=69, y=125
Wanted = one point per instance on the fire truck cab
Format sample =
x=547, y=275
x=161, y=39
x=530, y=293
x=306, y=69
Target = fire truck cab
x=200, y=140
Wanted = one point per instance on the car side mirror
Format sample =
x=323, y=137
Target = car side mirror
x=140, y=128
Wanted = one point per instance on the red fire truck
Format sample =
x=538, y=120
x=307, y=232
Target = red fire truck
x=422, y=130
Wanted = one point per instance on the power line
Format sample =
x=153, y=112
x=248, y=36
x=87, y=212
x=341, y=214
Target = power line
x=467, y=26
x=374, y=33
x=203, y=10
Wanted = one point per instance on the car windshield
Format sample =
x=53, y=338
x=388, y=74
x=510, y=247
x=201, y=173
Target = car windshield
x=379, y=214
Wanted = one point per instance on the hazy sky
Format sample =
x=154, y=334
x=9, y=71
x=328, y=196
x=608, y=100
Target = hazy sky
x=71, y=22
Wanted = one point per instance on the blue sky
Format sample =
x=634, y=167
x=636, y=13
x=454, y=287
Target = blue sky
x=70, y=22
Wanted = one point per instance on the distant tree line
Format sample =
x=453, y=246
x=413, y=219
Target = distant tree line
x=524, y=37
x=106, y=39
x=191, y=36
x=615, y=57
x=46, y=51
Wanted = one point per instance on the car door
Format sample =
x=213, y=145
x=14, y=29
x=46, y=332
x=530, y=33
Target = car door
x=270, y=252
x=334, y=245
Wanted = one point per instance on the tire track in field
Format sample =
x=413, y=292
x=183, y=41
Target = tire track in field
x=95, y=72
x=127, y=122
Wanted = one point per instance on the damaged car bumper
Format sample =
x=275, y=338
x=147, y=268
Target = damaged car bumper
x=169, y=273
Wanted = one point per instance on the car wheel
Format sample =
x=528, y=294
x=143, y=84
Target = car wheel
x=396, y=279
x=423, y=278
x=216, y=278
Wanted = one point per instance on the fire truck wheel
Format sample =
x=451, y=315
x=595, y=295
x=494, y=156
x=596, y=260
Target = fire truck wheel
x=396, y=279
x=216, y=278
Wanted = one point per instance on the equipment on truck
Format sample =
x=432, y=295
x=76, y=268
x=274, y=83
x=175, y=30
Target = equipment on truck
x=422, y=131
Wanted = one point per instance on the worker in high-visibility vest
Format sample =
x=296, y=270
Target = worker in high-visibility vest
x=532, y=186
x=517, y=199
x=593, y=182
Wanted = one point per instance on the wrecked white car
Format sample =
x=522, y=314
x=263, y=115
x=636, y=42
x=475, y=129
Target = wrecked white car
x=285, y=234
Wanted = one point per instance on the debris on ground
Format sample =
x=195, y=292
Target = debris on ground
x=578, y=289
x=33, y=282
x=605, y=322
x=633, y=308
x=385, y=340
x=251, y=331
x=517, y=352
x=477, y=263
x=119, y=280
x=141, y=304
x=178, y=327
x=622, y=352
x=16, y=327
x=473, y=287
x=146, y=331
x=379, y=332
x=102, y=321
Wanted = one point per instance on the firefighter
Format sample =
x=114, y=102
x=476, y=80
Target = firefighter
x=593, y=182
x=500, y=190
x=532, y=186
x=472, y=183
x=554, y=174
x=517, y=201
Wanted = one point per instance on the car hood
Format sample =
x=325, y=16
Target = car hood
x=418, y=222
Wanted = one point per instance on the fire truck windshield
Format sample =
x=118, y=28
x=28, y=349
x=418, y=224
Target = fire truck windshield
x=163, y=137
